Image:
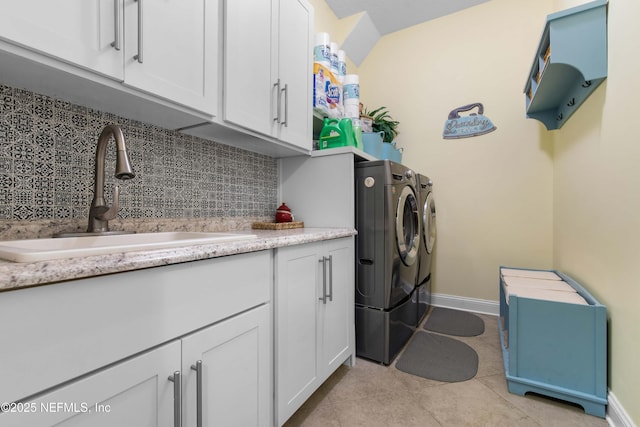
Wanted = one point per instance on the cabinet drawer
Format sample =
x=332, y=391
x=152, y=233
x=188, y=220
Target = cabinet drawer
x=61, y=331
x=133, y=393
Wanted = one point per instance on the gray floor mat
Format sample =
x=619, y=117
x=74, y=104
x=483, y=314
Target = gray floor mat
x=438, y=358
x=454, y=322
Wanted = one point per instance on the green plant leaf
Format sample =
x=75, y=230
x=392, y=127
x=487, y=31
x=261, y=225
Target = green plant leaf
x=383, y=122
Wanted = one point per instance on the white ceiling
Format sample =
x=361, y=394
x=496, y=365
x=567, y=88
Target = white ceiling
x=386, y=16
x=393, y=15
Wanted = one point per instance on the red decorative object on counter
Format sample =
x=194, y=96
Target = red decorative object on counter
x=283, y=214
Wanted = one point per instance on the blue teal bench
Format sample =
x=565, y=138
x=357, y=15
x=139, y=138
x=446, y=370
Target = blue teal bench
x=556, y=349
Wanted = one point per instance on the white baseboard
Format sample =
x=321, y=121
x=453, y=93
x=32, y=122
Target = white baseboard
x=616, y=415
x=466, y=304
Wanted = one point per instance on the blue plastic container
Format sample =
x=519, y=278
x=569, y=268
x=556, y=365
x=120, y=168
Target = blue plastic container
x=396, y=156
x=390, y=152
x=372, y=143
x=387, y=151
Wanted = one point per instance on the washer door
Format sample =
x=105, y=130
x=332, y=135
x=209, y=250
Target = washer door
x=429, y=222
x=408, y=226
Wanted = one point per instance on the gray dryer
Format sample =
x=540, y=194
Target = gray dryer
x=387, y=258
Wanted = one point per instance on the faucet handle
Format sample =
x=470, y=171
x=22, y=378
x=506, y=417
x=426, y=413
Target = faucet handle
x=112, y=211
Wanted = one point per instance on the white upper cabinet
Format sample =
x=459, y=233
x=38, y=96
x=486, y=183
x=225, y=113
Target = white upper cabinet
x=295, y=72
x=80, y=32
x=235, y=71
x=267, y=68
x=247, y=64
x=168, y=49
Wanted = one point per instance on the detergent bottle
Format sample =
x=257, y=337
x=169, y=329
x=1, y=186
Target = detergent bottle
x=357, y=134
x=347, y=129
x=332, y=135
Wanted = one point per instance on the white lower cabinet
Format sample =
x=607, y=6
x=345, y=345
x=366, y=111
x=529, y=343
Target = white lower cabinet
x=100, y=351
x=133, y=393
x=223, y=374
x=227, y=370
x=192, y=344
x=314, y=318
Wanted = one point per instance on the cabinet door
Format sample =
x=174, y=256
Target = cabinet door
x=235, y=361
x=80, y=32
x=296, y=329
x=171, y=50
x=130, y=394
x=248, y=81
x=337, y=315
x=294, y=69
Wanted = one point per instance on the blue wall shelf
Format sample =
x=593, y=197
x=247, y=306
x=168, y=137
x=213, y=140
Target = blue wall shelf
x=570, y=63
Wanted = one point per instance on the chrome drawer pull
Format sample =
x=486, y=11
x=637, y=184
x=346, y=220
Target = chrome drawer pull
x=138, y=57
x=324, y=280
x=177, y=398
x=116, y=19
x=286, y=106
x=198, y=368
x=330, y=277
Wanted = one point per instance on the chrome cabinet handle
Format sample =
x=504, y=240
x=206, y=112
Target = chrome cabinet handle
x=116, y=20
x=324, y=280
x=277, y=86
x=286, y=106
x=138, y=57
x=198, y=368
x=330, y=277
x=177, y=398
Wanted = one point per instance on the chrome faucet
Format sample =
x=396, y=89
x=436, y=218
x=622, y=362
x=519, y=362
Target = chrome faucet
x=100, y=214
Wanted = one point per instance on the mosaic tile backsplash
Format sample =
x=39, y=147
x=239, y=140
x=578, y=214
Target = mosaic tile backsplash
x=47, y=150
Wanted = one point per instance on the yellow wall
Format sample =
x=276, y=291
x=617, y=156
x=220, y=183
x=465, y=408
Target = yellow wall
x=493, y=192
x=521, y=196
x=597, y=198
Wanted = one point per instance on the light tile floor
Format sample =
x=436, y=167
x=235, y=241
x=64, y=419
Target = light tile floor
x=370, y=394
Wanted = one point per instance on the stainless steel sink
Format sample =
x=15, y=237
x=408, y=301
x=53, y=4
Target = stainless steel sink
x=70, y=247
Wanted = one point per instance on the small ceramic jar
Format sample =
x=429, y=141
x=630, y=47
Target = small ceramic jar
x=283, y=214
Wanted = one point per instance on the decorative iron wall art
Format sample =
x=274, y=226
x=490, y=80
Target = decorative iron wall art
x=474, y=124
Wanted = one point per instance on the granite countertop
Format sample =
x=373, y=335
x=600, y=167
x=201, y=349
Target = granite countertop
x=15, y=275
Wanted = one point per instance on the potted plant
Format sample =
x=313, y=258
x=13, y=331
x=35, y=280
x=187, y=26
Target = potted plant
x=382, y=122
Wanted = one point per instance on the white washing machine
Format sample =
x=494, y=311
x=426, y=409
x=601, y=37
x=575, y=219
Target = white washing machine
x=387, y=258
x=428, y=222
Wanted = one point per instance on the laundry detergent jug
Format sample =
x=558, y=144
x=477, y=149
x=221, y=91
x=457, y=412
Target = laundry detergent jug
x=336, y=133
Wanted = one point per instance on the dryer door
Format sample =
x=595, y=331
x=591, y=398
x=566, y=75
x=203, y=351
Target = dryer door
x=429, y=222
x=408, y=226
